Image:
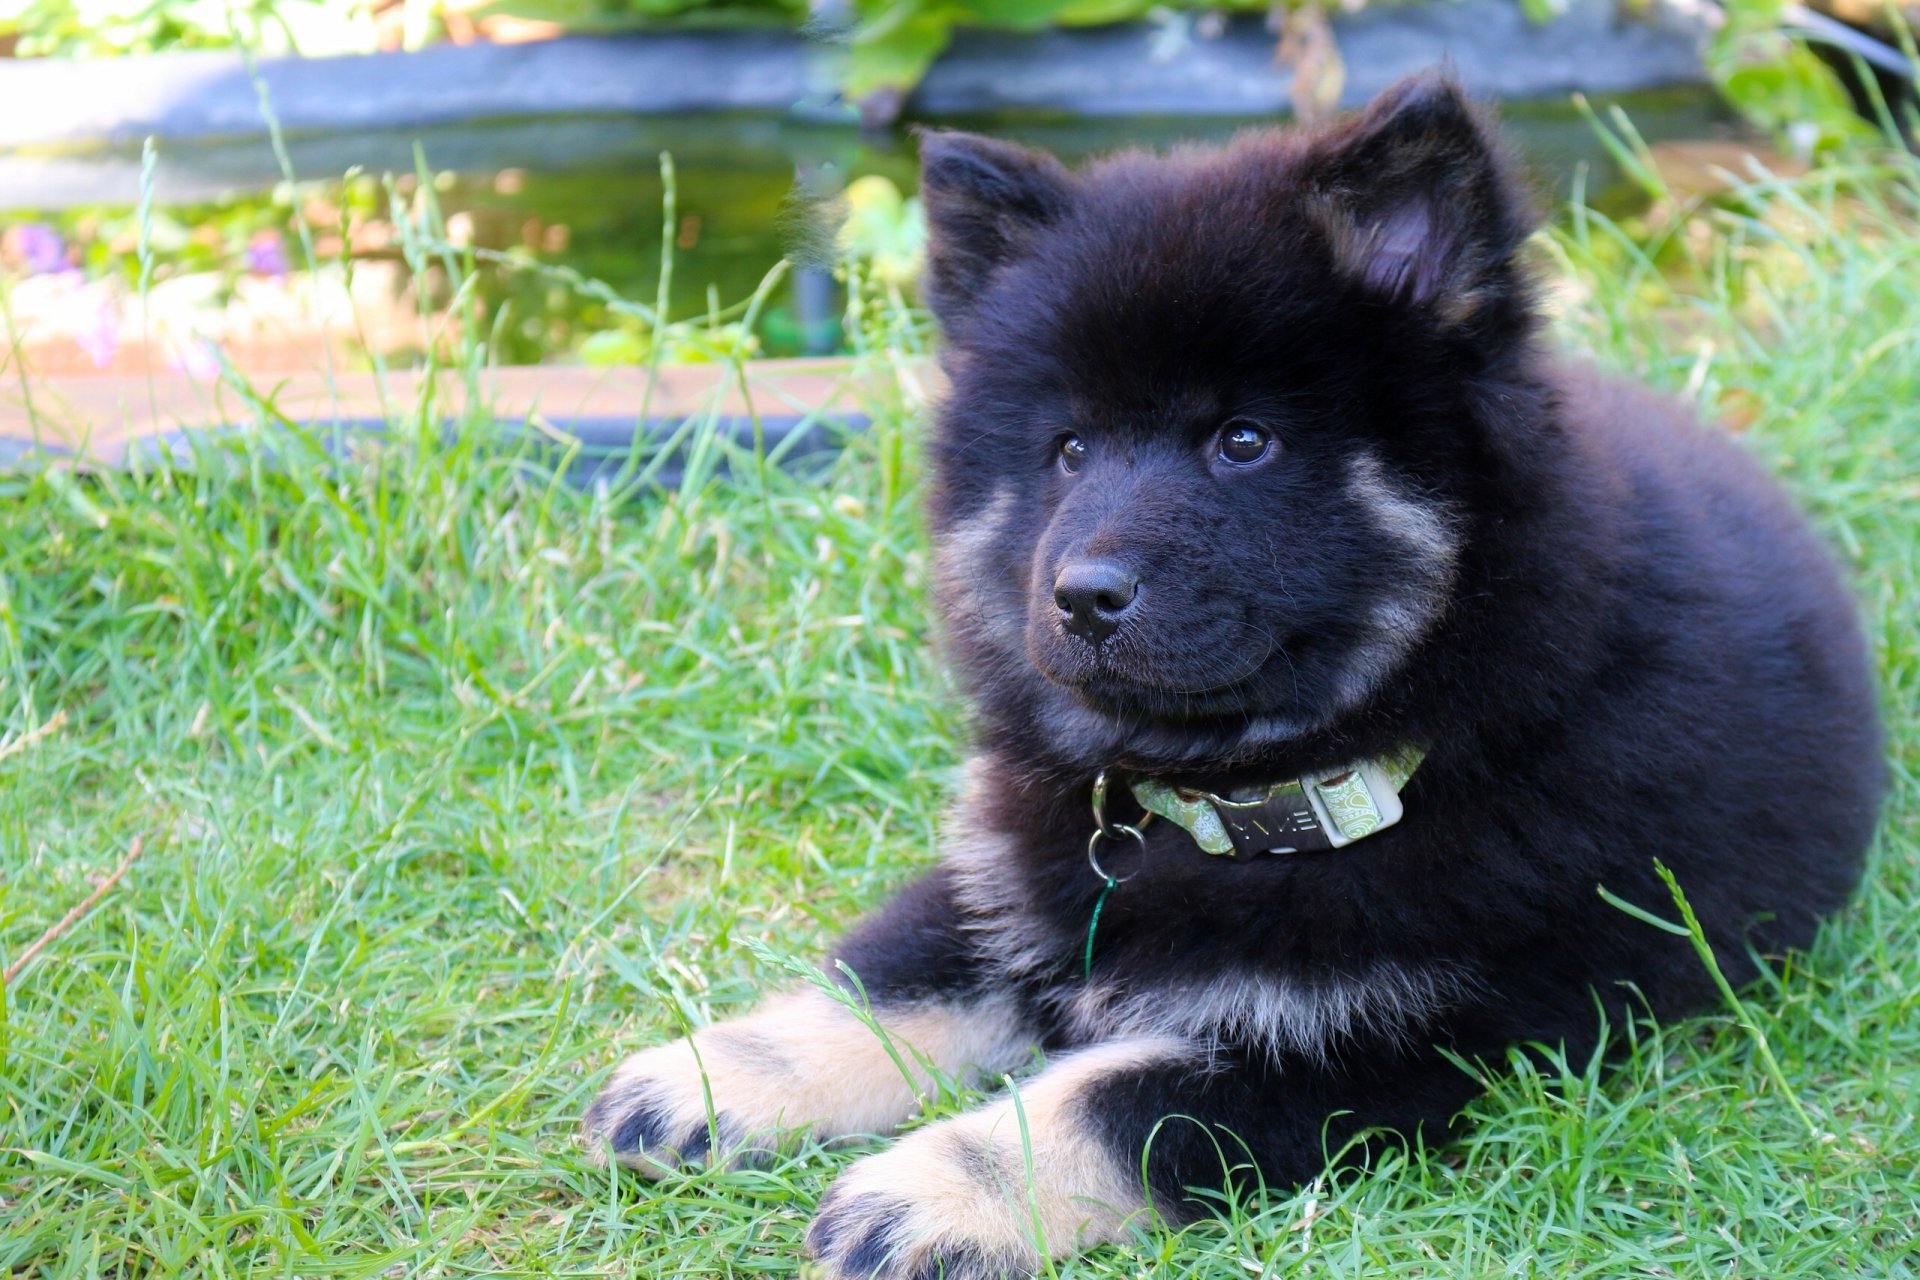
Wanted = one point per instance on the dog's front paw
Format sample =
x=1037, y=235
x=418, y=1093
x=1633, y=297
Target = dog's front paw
x=653, y=1115
x=987, y=1195
x=916, y=1214
x=802, y=1061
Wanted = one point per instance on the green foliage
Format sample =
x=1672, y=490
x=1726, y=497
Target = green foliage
x=532, y=289
x=1763, y=70
x=891, y=50
x=211, y=235
x=106, y=28
x=890, y=43
x=883, y=229
x=635, y=343
x=1774, y=80
x=895, y=41
x=615, y=15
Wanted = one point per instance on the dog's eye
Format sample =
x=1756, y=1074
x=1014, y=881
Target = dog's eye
x=1242, y=442
x=1073, y=452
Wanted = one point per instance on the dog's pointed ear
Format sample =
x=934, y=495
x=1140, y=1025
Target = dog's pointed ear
x=984, y=199
x=1418, y=200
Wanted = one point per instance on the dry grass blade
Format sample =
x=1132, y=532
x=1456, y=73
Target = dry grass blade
x=56, y=722
x=72, y=917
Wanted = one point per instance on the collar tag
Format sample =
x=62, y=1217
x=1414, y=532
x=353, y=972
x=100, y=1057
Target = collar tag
x=1328, y=810
x=1284, y=820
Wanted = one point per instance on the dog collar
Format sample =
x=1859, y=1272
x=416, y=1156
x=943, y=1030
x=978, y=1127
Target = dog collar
x=1322, y=810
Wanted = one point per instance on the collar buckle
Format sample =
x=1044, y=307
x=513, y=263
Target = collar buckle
x=1323, y=810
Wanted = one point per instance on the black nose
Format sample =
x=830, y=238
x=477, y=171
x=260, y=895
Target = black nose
x=1093, y=596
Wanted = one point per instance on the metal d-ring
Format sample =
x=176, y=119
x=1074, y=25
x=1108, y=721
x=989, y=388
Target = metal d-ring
x=1112, y=832
x=1100, y=801
x=1108, y=830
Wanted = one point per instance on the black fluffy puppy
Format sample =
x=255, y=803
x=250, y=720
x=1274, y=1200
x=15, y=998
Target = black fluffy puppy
x=1258, y=497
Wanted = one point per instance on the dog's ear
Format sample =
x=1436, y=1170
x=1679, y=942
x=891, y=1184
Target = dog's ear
x=1418, y=201
x=984, y=199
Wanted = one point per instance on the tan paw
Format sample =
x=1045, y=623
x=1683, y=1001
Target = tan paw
x=801, y=1062
x=989, y=1194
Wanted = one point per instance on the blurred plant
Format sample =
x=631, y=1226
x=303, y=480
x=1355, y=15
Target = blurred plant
x=882, y=246
x=266, y=254
x=536, y=280
x=881, y=317
x=632, y=342
x=104, y=28
x=884, y=230
x=615, y=15
x=891, y=43
x=1769, y=74
x=100, y=337
x=240, y=234
x=34, y=249
x=1755, y=57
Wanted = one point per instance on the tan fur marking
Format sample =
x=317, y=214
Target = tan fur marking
x=1426, y=532
x=1284, y=1015
x=970, y=600
x=1012, y=941
x=804, y=1060
x=976, y=1184
x=1421, y=526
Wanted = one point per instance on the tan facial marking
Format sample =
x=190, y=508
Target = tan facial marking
x=1426, y=533
x=971, y=598
x=1012, y=1182
x=805, y=1060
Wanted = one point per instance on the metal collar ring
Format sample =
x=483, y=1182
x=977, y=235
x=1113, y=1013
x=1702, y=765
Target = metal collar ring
x=1112, y=831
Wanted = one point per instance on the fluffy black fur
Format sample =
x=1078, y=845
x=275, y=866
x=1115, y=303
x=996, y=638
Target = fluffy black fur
x=1610, y=631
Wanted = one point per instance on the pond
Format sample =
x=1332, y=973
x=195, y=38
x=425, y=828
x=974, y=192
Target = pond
x=580, y=193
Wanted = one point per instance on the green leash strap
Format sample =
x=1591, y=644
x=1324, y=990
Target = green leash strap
x=1093, y=926
x=1104, y=830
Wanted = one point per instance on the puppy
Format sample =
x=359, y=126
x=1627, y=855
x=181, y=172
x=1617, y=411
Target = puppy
x=1332, y=645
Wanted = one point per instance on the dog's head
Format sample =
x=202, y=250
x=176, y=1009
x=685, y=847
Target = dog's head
x=1209, y=459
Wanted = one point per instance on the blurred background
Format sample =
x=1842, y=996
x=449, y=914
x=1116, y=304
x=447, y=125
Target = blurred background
x=187, y=184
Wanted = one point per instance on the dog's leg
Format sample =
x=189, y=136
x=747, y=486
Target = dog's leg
x=803, y=1060
x=992, y=1192
x=1058, y=1166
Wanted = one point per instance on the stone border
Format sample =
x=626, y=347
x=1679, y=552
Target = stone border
x=1133, y=69
x=1594, y=47
x=589, y=418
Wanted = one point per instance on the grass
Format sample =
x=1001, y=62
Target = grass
x=456, y=783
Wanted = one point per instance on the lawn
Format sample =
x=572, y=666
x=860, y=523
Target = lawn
x=454, y=783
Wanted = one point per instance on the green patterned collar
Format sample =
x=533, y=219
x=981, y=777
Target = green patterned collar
x=1319, y=811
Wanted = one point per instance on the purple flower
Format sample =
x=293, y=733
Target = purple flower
x=197, y=357
x=40, y=248
x=266, y=255
x=100, y=336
